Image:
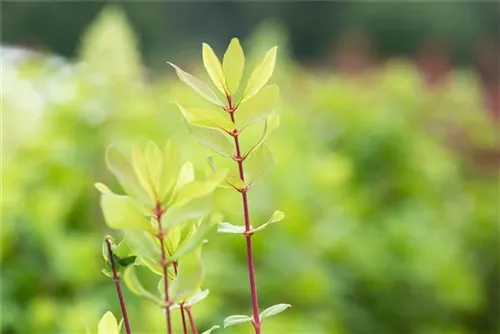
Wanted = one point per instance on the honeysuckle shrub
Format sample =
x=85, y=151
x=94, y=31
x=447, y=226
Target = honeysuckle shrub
x=376, y=175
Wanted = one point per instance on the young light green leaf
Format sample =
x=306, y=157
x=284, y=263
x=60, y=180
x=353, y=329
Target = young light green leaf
x=211, y=329
x=108, y=324
x=273, y=310
x=154, y=161
x=195, y=208
x=259, y=163
x=261, y=74
x=119, y=165
x=189, y=278
x=233, y=65
x=142, y=171
x=194, y=241
x=214, y=68
x=225, y=227
x=197, y=85
x=133, y=283
x=144, y=244
x=275, y=217
x=207, y=118
x=212, y=139
x=197, y=189
x=272, y=122
x=235, y=182
x=103, y=189
x=236, y=319
x=107, y=273
x=186, y=174
x=197, y=298
x=258, y=107
x=121, y=212
x=171, y=166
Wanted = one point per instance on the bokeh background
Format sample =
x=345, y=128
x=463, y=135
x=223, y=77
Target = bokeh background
x=387, y=161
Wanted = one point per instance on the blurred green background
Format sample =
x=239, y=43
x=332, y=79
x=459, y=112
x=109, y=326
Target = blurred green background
x=387, y=161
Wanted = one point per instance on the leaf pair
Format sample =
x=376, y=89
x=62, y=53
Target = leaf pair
x=230, y=228
x=269, y=312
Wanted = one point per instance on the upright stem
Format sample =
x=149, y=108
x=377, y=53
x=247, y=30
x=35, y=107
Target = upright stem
x=248, y=236
x=116, y=278
x=184, y=326
x=191, y=320
x=164, y=264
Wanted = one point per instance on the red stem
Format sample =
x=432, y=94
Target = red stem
x=191, y=320
x=248, y=236
x=116, y=278
x=164, y=264
x=184, y=326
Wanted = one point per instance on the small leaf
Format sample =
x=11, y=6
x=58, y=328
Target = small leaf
x=186, y=174
x=212, y=139
x=230, y=228
x=259, y=164
x=119, y=165
x=189, y=278
x=272, y=122
x=236, y=319
x=261, y=74
x=214, y=68
x=142, y=171
x=121, y=212
x=275, y=217
x=194, y=241
x=198, y=85
x=107, y=273
x=108, y=324
x=133, y=283
x=207, y=118
x=171, y=167
x=258, y=107
x=273, y=310
x=211, y=329
x=123, y=250
x=235, y=182
x=233, y=65
x=154, y=161
x=103, y=189
x=198, y=298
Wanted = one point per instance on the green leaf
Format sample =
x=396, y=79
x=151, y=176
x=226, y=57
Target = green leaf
x=261, y=74
x=119, y=165
x=214, y=68
x=273, y=310
x=107, y=273
x=108, y=324
x=103, y=189
x=212, y=139
x=196, y=208
x=230, y=228
x=151, y=265
x=197, y=85
x=123, y=250
x=133, y=283
x=258, y=107
x=275, y=217
x=197, y=298
x=186, y=174
x=235, y=182
x=144, y=244
x=211, y=329
x=154, y=161
x=142, y=171
x=258, y=164
x=122, y=212
x=189, y=278
x=272, y=122
x=233, y=65
x=194, y=241
x=236, y=319
x=198, y=189
x=171, y=166
x=207, y=118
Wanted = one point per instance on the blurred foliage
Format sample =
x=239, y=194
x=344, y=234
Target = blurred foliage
x=392, y=211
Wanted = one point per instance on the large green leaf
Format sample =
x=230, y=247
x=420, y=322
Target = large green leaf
x=258, y=107
x=212, y=139
x=154, y=161
x=195, y=208
x=142, y=171
x=197, y=189
x=144, y=244
x=171, y=167
x=186, y=174
x=108, y=324
x=124, y=172
x=134, y=285
x=122, y=212
x=259, y=163
x=214, y=68
x=189, y=277
x=233, y=65
x=197, y=85
x=207, y=118
x=195, y=240
x=261, y=74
